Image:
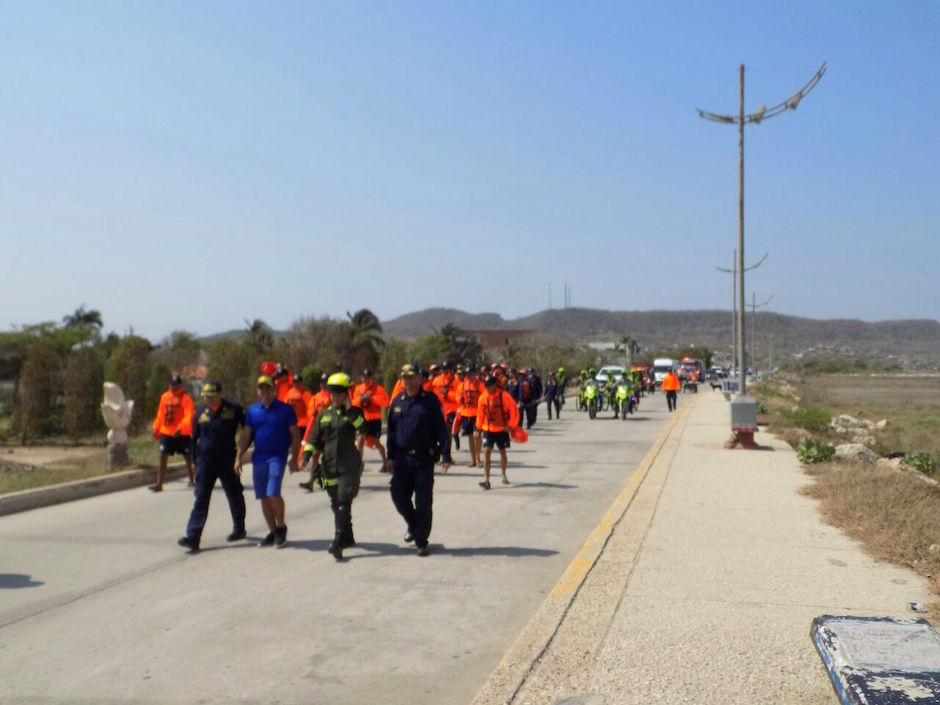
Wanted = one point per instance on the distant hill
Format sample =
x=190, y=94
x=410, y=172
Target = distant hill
x=912, y=344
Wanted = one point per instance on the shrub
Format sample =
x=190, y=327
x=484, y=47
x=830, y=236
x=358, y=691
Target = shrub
x=129, y=368
x=82, y=393
x=38, y=380
x=762, y=407
x=921, y=461
x=811, y=418
x=811, y=451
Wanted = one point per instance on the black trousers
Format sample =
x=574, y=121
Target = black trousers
x=414, y=477
x=208, y=470
x=342, y=516
x=531, y=414
x=671, y=400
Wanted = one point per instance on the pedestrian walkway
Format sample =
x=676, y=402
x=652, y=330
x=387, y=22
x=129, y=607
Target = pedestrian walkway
x=702, y=586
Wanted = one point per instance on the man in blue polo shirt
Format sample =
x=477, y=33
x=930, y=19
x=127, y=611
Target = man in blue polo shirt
x=272, y=426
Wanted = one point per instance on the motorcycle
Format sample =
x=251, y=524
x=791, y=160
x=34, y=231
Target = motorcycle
x=624, y=401
x=591, y=398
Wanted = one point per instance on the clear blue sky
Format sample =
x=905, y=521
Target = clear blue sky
x=181, y=165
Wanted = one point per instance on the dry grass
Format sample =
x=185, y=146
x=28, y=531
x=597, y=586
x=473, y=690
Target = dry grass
x=894, y=513
x=15, y=477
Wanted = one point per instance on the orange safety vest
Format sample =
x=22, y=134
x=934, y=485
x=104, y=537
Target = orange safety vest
x=175, y=413
x=671, y=382
x=446, y=392
x=282, y=386
x=317, y=403
x=299, y=399
x=377, y=400
x=497, y=412
x=468, y=396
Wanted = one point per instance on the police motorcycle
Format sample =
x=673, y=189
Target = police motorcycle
x=624, y=399
x=592, y=397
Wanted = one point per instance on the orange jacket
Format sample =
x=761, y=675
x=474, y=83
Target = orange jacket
x=468, y=396
x=317, y=403
x=376, y=399
x=299, y=399
x=496, y=413
x=397, y=389
x=445, y=386
x=671, y=382
x=427, y=385
x=175, y=413
x=283, y=385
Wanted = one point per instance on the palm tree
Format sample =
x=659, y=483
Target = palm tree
x=259, y=335
x=364, y=341
x=83, y=317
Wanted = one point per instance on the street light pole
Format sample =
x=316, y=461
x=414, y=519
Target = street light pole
x=754, y=307
x=735, y=364
x=743, y=408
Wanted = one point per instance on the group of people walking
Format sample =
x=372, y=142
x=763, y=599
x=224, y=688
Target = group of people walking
x=290, y=428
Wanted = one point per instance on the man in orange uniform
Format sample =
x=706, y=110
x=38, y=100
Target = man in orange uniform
x=671, y=385
x=469, y=390
x=445, y=386
x=315, y=405
x=173, y=427
x=299, y=398
x=371, y=397
x=283, y=381
x=497, y=415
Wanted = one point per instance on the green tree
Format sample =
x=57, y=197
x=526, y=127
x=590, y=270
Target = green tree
x=180, y=350
x=363, y=342
x=235, y=364
x=82, y=392
x=38, y=382
x=461, y=348
x=129, y=368
x=259, y=336
x=157, y=384
x=83, y=317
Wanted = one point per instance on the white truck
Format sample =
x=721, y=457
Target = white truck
x=661, y=365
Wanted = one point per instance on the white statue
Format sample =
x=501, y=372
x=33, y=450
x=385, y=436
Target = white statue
x=117, y=415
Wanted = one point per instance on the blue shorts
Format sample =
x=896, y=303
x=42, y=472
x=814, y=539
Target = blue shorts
x=268, y=475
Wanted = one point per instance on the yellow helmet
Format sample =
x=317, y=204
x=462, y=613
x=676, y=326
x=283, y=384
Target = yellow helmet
x=338, y=382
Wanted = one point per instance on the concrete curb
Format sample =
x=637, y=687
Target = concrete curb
x=523, y=656
x=80, y=489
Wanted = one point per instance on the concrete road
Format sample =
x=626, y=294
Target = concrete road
x=99, y=605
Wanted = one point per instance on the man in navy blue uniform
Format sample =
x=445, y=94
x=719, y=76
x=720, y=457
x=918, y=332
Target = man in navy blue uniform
x=417, y=438
x=213, y=449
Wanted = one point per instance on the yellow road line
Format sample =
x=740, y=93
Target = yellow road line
x=587, y=556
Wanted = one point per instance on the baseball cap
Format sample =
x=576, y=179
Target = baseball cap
x=265, y=380
x=211, y=387
x=408, y=370
x=176, y=379
x=489, y=381
x=367, y=372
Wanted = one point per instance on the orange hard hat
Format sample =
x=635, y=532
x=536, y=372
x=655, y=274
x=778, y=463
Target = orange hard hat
x=520, y=435
x=268, y=368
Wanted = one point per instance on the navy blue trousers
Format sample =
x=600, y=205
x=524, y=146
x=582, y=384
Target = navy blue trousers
x=208, y=471
x=414, y=477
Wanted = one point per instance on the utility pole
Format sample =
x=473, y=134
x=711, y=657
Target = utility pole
x=735, y=363
x=743, y=408
x=754, y=307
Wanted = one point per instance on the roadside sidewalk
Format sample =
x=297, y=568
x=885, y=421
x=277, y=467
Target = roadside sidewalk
x=700, y=584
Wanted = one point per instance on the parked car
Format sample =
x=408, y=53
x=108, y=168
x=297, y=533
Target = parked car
x=608, y=370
